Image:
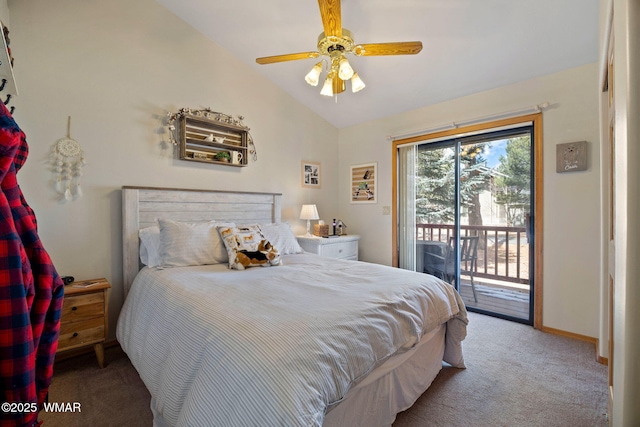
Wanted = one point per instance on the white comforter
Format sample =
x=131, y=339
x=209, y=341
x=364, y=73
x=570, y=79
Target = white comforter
x=278, y=345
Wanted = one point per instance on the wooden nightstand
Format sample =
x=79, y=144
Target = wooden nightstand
x=343, y=247
x=84, y=319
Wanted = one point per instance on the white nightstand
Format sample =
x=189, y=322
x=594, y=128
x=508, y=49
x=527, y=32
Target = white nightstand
x=343, y=247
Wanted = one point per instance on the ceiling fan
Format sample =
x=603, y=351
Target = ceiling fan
x=335, y=43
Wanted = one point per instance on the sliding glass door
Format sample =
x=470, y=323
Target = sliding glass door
x=465, y=207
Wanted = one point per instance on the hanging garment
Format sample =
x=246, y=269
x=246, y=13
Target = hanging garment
x=31, y=291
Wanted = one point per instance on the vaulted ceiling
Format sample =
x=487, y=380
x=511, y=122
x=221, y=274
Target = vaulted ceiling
x=469, y=46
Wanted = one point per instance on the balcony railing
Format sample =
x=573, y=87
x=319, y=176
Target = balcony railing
x=503, y=252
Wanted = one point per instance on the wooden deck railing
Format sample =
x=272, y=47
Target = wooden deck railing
x=503, y=252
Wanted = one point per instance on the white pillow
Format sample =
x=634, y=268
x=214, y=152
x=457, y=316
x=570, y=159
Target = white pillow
x=150, y=245
x=282, y=238
x=191, y=243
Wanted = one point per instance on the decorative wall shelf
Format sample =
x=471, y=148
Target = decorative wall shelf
x=210, y=137
x=205, y=140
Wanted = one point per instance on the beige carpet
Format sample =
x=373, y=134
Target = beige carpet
x=516, y=377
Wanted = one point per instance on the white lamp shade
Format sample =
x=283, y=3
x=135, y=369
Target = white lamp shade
x=356, y=83
x=313, y=77
x=309, y=212
x=327, y=89
x=345, y=72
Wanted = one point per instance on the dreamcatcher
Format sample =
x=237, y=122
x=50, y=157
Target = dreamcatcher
x=67, y=158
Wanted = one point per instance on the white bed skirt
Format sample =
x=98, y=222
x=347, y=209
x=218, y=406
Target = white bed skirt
x=391, y=388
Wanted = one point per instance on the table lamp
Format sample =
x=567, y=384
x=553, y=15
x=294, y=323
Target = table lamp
x=309, y=212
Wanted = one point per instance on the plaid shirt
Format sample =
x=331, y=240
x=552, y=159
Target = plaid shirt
x=31, y=291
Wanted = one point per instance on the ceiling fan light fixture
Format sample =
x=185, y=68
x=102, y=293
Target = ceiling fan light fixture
x=327, y=88
x=334, y=44
x=345, y=72
x=313, y=77
x=356, y=83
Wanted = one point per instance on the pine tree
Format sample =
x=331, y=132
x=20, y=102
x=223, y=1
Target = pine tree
x=474, y=178
x=435, y=184
x=513, y=186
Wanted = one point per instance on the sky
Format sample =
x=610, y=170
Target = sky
x=493, y=151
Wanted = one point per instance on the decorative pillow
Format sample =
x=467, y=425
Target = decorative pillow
x=191, y=243
x=282, y=238
x=150, y=245
x=247, y=247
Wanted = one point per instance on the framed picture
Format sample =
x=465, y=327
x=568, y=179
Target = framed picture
x=364, y=183
x=310, y=174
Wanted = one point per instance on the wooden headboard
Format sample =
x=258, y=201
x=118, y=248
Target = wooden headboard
x=142, y=205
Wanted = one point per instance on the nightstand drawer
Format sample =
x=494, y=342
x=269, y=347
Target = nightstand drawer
x=76, y=334
x=84, y=316
x=343, y=247
x=83, y=307
x=340, y=250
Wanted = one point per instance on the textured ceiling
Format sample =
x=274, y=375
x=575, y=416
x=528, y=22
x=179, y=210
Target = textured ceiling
x=469, y=46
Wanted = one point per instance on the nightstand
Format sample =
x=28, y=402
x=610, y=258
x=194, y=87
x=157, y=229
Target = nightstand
x=343, y=247
x=84, y=316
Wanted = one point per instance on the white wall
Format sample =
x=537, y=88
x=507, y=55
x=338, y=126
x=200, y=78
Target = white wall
x=116, y=67
x=571, y=200
x=4, y=14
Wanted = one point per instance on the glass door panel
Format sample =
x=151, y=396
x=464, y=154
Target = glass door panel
x=473, y=204
x=435, y=208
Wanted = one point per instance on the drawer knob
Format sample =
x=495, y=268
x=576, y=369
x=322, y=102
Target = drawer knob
x=75, y=334
x=340, y=250
x=74, y=308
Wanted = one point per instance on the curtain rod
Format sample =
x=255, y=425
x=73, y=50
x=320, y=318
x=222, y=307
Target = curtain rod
x=455, y=125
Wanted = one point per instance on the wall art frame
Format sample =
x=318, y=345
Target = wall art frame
x=364, y=183
x=311, y=174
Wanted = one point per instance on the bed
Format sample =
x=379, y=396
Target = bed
x=312, y=341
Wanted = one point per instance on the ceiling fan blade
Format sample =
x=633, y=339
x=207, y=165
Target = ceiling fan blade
x=399, y=48
x=287, y=57
x=331, y=17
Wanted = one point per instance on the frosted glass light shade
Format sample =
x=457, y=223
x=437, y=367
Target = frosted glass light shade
x=345, y=72
x=327, y=89
x=356, y=83
x=313, y=77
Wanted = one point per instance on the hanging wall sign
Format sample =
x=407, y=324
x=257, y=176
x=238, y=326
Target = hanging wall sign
x=571, y=157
